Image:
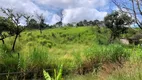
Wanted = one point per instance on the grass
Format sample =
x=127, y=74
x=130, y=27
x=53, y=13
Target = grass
x=89, y=76
x=132, y=68
x=111, y=52
x=81, y=50
x=130, y=71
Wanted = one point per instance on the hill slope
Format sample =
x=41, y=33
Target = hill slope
x=80, y=49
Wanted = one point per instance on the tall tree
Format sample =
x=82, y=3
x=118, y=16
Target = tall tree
x=16, y=28
x=61, y=14
x=132, y=7
x=27, y=17
x=3, y=28
x=41, y=20
x=117, y=23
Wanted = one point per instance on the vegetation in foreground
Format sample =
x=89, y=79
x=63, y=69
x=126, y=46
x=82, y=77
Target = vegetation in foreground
x=83, y=51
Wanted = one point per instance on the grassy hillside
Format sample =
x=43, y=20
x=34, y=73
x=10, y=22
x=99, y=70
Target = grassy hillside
x=83, y=51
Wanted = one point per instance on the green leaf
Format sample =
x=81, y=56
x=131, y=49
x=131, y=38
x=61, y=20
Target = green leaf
x=55, y=74
x=46, y=75
x=59, y=76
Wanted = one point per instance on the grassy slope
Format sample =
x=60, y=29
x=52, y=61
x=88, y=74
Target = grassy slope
x=76, y=48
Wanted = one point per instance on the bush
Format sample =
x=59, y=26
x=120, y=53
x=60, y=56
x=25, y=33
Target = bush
x=29, y=34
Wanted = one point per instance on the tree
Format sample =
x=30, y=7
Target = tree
x=15, y=29
x=61, y=14
x=27, y=17
x=3, y=27
x=117, y=23
x=80, y=23
x=90, y=23
x=33, y=24
x=96, y=22
x=70, y=24
x=41, y=21
x=59, y=24
x=85, y=23
x=132, y=7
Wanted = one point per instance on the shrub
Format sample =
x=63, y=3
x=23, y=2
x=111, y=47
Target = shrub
x=29, y=34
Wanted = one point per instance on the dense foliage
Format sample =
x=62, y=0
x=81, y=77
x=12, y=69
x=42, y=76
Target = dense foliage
x=118, y=23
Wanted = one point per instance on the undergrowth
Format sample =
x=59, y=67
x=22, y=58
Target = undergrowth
x=82, y=50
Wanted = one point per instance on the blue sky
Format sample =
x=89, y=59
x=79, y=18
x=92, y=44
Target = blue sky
x=73, y=10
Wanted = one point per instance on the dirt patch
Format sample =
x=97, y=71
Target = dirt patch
x=88, y=66
x=108, y=68
x=102, y=69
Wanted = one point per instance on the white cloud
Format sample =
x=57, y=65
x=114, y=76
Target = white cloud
x=76, y=10
x=23, y=6
x=78, y=14
x=55, y=19
x=73, y=3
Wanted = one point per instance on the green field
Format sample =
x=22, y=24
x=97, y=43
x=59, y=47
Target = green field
x=84, y=53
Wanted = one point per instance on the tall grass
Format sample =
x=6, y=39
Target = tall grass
x=112, y=52
x=131, y=71
x=74, y=47
x=36, y=57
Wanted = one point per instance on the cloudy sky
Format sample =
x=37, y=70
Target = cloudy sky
x=73, y=10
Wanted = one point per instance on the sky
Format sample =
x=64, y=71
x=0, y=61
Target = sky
x=72, y=10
